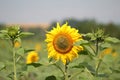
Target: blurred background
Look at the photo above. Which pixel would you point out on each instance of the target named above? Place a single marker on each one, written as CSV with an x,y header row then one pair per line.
x,y
39,16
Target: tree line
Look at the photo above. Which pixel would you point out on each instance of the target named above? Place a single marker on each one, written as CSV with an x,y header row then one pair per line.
x,y
84,26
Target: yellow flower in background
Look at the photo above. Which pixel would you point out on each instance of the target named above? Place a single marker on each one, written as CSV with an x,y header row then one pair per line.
x,y
37,47
17,44
108,51
60,43
114,54
32,57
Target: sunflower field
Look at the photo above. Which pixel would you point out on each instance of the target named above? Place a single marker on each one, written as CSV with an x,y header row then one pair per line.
x,y
64,54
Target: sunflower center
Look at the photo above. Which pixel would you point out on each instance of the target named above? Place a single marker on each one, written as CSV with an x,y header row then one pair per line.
x,y
33,58
63,43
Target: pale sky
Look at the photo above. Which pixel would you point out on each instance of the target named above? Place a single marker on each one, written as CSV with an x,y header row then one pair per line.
x,y
46,11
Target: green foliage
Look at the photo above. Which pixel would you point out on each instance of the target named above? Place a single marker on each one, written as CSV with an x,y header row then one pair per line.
x,y
89,66
13,31
81,42
112,40
51,78
86,65
20,51
13,34
101,42
24,34
108,59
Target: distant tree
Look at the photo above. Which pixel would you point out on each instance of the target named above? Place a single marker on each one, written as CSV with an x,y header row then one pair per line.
x,y
84,26
112,30
2,26
39,34
53,24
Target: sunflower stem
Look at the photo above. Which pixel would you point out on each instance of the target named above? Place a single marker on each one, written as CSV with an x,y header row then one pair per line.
x,y
14,61
66,74
99,63
97,67
97,42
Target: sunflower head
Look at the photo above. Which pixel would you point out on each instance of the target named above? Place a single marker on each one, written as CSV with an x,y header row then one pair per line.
x,y
13,31
32,57
60,43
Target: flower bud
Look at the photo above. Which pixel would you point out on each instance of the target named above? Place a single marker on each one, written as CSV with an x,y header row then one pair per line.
x,y
12,32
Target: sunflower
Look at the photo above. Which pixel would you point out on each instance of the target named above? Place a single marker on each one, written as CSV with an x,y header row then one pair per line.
x,y
32,57
60,43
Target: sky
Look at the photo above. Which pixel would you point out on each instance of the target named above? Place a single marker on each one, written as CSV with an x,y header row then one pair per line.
x,y
46,11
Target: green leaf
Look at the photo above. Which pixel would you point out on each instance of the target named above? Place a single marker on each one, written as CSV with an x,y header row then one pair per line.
x,y
105,45
2,66
115,70
50,60
84,52
52,77
102,75
35,64
81,42
108,58
89,49
112,40
28,50
20,51
10,75
18,39
4,36
17,27
85,65
24,67
23,34
20,74
4,31
1,35
89,35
